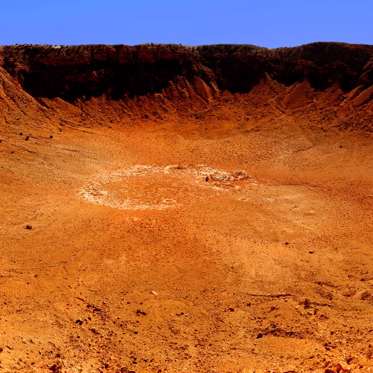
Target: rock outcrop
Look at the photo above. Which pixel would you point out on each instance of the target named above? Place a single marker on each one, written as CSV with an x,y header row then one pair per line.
x,y
30,74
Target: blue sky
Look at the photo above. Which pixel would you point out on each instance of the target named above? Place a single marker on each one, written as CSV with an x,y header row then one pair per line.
x,y
270,23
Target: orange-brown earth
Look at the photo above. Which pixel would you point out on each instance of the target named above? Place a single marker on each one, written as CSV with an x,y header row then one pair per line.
x,y
171,209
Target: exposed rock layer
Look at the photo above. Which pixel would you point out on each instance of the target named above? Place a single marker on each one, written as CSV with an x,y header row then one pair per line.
x,y
119,71
152,79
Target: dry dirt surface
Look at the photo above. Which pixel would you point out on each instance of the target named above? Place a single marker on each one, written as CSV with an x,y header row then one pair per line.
x,y
191,230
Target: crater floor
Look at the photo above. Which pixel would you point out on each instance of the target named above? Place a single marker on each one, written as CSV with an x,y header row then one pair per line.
x,y
186,246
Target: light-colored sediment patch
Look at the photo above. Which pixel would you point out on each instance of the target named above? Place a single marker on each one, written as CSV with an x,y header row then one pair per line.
x,y
100,191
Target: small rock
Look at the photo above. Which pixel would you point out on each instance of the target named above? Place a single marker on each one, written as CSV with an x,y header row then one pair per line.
x,y
140,313
340,369
28,227
126,370
55,368
307,304
349,359
365,295
240,175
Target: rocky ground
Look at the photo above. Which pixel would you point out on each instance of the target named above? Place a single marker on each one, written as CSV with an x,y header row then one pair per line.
x,y
235,236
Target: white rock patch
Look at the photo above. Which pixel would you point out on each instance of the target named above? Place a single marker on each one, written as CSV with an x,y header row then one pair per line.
x,y
201,176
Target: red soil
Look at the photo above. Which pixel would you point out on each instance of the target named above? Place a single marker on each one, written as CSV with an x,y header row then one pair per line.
x,y
177,222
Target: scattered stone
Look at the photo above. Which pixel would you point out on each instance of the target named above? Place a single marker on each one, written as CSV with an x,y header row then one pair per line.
x,y
329,346
79,322
240,175
307,304
55,368
126,370
174,167
140,313
219,177
94,331
349,359
338,369
260,335
365,295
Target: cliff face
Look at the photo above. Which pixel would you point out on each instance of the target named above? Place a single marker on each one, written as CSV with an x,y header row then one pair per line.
x,y
239,68
111,82
82,72
91,71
